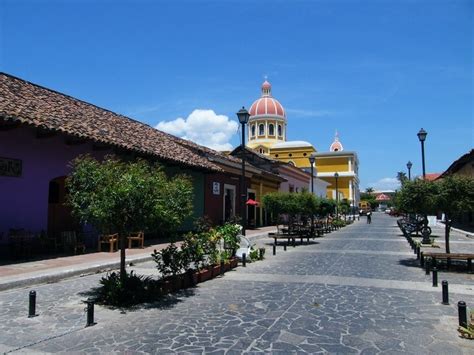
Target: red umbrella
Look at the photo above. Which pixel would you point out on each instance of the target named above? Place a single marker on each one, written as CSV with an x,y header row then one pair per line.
x,y
251,202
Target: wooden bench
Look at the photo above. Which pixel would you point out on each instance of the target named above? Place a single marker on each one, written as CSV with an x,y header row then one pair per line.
x,y
111,239
288,237
136,236
448,257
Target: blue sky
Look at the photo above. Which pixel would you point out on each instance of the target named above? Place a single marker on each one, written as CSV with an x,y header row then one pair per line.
x,y
377,71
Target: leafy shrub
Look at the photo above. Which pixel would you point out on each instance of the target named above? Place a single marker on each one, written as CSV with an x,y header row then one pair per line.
x,y
254,255
193,250
229,233
170,260
127,291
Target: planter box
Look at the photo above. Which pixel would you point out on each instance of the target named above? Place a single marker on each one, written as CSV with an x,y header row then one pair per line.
x,y
205,275
171,284
190,279
225,266
216,270
234,262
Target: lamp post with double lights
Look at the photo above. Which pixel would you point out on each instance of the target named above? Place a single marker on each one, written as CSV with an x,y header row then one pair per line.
x,y
336,176
409,165
243,116
311,161
422,137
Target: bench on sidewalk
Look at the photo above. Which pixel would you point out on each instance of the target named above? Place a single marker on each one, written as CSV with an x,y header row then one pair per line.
x,y
288,237
111,239
448,257
137,237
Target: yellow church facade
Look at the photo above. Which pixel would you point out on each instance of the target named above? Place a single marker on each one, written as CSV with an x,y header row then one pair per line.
x,y
267,130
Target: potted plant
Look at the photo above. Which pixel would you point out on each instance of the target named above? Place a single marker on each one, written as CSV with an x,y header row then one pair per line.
x,y
225,260
169,261
229,233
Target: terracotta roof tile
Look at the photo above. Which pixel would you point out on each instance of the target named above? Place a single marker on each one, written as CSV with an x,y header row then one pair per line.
x,y
44,108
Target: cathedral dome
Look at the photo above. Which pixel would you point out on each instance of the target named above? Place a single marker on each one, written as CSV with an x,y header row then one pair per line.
x,y
267,105
336,146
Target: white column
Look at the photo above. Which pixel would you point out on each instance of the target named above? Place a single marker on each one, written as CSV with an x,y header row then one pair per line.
x,y
351,193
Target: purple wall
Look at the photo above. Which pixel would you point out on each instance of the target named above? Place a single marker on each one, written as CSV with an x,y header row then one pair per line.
x,y
24,200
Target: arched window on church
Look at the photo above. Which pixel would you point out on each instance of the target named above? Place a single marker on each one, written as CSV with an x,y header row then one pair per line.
x,y
271,130
261,129
279,130
253,130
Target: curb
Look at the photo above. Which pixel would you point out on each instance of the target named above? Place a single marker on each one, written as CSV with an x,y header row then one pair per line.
x,y
29,280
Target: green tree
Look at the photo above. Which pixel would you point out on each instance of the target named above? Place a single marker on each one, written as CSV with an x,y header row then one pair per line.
x,y
417,196
118,196
455,196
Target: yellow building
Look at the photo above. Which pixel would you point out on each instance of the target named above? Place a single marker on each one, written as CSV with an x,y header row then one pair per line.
x,y
344,165
267,131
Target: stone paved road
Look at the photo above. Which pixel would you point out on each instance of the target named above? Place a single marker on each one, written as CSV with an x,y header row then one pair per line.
x,y
356,290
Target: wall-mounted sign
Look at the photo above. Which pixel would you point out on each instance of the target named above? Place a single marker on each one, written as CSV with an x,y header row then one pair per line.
x,y
216,188
10,167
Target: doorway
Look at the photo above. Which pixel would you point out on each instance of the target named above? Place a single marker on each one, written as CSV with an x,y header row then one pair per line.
x,y
60,217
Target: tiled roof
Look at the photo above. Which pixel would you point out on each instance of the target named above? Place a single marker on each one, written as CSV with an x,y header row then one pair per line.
x,y
459,163
47,109
432,176
205,151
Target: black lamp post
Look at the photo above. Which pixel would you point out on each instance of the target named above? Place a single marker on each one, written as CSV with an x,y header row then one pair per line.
x,y
311,161
422,136
336,175
353,201
243,116
409,165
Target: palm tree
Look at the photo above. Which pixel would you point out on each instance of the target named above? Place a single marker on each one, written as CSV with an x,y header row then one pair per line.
x,y
402,177
369,190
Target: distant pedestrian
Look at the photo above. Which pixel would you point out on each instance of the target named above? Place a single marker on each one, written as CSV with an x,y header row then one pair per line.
x,y
369,217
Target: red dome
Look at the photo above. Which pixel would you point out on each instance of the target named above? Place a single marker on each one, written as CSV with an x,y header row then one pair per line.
x,y
267,105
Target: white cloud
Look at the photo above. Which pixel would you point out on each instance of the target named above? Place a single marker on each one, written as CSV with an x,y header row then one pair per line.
x,y
387,183
203,127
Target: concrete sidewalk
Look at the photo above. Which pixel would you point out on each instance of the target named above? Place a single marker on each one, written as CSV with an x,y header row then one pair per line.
x,y
55,269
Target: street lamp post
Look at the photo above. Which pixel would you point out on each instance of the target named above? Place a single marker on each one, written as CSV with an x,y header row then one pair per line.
x,y
409,165
353,201
311,161
336,176
422,137
243,116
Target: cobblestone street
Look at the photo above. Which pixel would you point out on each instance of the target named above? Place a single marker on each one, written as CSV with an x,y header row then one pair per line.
x,y
356,290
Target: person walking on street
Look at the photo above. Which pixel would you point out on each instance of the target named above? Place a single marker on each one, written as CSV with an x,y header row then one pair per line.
x,y
369,217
